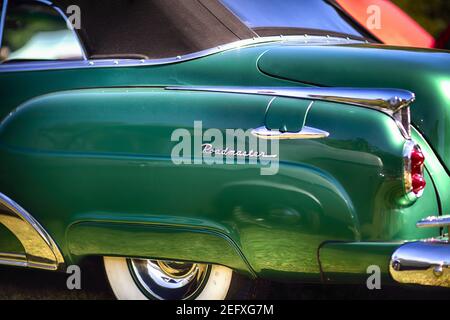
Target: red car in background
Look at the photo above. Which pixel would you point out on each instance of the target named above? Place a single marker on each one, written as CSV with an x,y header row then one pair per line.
x,y
395,27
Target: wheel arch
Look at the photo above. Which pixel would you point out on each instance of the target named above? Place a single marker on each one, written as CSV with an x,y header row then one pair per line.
x,y
155,241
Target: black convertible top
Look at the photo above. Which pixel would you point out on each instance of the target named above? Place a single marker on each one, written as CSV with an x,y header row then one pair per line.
x,y
154,28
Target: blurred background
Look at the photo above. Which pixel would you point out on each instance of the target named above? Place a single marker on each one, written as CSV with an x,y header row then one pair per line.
x,y
418,23
432,15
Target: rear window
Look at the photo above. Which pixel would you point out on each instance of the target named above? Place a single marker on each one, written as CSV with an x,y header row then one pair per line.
x,y
294,16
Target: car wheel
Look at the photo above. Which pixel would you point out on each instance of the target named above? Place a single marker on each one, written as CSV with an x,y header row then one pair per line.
x,y
140,279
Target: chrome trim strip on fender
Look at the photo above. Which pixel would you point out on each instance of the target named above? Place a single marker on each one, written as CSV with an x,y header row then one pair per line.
x,y
40,250
425,263
388,101
434,222
13,259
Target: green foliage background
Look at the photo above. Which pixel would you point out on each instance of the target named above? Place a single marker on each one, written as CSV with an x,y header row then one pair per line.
x,y
433,15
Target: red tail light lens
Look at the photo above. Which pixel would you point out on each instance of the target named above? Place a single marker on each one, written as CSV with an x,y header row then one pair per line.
x,y
413,176
418,183
417,158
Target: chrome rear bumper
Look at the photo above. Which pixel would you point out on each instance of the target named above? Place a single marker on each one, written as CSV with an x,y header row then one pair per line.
x,y
424,262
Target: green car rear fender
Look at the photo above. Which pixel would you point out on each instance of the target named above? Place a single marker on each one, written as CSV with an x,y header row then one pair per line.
x,y
94,168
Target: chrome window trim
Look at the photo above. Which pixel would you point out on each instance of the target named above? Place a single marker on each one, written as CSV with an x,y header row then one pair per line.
x,y
108,63
60,12
69,25
49,3
2,20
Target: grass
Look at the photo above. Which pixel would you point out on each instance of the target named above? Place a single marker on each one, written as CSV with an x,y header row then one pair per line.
x,y
30,284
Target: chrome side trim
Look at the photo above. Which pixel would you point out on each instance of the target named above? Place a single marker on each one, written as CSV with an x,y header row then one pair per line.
x,y
425,263
12,259
388,101
40,250
3,20
305,133
434,222
69,25
108,63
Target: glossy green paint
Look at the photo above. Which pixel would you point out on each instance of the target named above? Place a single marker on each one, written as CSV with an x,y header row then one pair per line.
x,y
354,262
424,72
287,115
192,244
88,154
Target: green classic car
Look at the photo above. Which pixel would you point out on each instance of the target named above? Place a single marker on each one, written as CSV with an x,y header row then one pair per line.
x,y
114,117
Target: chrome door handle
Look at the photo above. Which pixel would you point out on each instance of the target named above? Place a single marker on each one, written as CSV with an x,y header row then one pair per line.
x,y
305,133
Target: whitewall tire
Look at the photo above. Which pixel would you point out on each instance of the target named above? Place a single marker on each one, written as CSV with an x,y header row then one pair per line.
x,y
139,279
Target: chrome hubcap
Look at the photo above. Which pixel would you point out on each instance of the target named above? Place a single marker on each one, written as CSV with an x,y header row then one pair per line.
x,y
169,280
